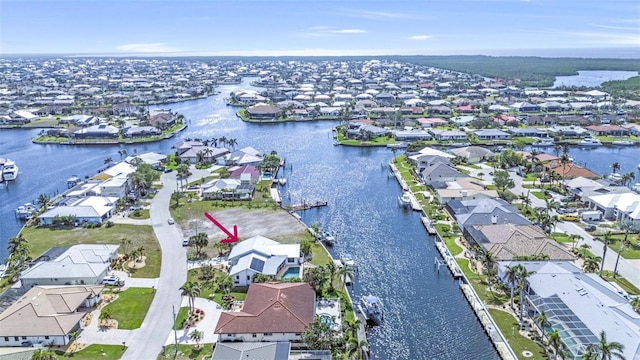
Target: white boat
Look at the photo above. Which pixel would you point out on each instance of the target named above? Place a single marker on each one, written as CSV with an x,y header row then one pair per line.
x,y
622,143
405,200
589,142
25,212
615,178
328,238
543,143
347,260
9,170
636,187
371,308
282,181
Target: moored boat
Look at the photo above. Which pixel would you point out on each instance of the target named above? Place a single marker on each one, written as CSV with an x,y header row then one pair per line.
x,y
622,143
347,260
405,200
370,307
9,170
543,143
26,211
328,239
589,142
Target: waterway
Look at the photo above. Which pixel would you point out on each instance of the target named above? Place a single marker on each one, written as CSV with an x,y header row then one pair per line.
x,y
592,78
426,314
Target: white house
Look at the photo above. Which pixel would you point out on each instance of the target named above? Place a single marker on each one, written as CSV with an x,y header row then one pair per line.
x,y
90,209
47,315
82,264
260,255
619,207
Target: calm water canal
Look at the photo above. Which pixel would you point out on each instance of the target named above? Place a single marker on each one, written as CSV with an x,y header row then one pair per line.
x,y
426,314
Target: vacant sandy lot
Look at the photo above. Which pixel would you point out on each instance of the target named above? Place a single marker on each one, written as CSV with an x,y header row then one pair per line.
x,y
277,225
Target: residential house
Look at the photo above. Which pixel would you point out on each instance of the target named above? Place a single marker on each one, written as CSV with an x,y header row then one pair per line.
x,y
361,130
473,154
492,134
525,107
411,135
271,312
97,131
245,173
141,131
484,212
607,130
570,170
464,189
90,209
431,122
195,152
587,187
510,241
618,206
438,174
528,132
264,111
429,156
244,156
83,264
440,110
448,135
47,315
151,158
228,189
162,119
260,255
578,305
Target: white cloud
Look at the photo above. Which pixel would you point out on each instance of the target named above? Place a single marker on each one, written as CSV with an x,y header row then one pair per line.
x,y
380,15
420,37
321,31
147,48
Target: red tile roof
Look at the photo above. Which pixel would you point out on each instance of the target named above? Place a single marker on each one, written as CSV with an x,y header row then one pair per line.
x,y
271,308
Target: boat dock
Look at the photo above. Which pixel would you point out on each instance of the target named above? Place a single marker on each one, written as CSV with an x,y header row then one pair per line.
x,y
275,195
431,229
307,206
398,176
448,259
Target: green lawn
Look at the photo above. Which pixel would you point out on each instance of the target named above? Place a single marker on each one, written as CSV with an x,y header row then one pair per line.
x,y
208,288
624,283
538,194
42,122
506,322
96,352
182,315
631,251
131,307
319,256
41,239
561,237
140,214
187,352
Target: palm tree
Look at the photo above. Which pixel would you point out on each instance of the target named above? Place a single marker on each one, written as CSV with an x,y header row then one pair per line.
x,y
541,320
607,239
555,341
575,238
224,282
551,204
615,167
199,240
521,277
564,160
582,250
192,290
43,201
16,244
42,354
344,273
357,349
196,336
591,264
635,304
608,350
176,196
511,277
331,270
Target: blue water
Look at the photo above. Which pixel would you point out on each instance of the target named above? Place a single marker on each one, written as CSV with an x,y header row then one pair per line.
x,y
426,315
592,78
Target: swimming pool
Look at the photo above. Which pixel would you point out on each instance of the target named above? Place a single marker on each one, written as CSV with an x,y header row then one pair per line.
x,y
328,320
292,273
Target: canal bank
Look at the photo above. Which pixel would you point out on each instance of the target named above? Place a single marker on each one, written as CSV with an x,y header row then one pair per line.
x,y
448,260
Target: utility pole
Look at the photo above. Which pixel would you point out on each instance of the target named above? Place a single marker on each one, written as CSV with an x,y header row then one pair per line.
x,y
175,332
615,268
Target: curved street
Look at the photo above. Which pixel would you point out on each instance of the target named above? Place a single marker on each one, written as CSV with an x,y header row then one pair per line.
x,y
147,341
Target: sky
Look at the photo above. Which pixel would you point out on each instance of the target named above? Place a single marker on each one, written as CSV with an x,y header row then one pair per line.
x,y
319,27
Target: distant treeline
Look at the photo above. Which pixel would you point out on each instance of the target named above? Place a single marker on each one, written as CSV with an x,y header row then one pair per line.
x,y
629,89
532,71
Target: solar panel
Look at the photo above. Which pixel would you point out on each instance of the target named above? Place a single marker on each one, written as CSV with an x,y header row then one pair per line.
x,y
257,264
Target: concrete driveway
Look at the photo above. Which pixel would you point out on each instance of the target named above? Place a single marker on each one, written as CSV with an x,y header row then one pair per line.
x,y
212,311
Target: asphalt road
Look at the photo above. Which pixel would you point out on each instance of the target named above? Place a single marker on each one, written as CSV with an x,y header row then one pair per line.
x,y
147,342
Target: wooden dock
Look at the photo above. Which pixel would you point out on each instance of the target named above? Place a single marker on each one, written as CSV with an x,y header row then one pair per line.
x,y
428,225
307,206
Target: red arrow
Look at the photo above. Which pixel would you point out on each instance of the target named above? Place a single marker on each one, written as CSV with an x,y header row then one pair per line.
x,y
231,237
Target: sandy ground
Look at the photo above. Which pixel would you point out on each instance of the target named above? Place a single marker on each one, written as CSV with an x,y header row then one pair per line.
x,y
277,225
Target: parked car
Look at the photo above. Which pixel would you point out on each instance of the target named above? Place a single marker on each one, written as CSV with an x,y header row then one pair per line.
x,y
167,170
590,227
569,217
113,280
171,221
185,242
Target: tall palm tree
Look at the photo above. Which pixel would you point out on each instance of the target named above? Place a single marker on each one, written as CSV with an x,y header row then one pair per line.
x,y
521,277
344,273
511,277
43,201
607,239
615,167
224,282
608,350
357,350
192,290
551,204
331,270
555,341
42,354
16,243
564,160
575,238
541,320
